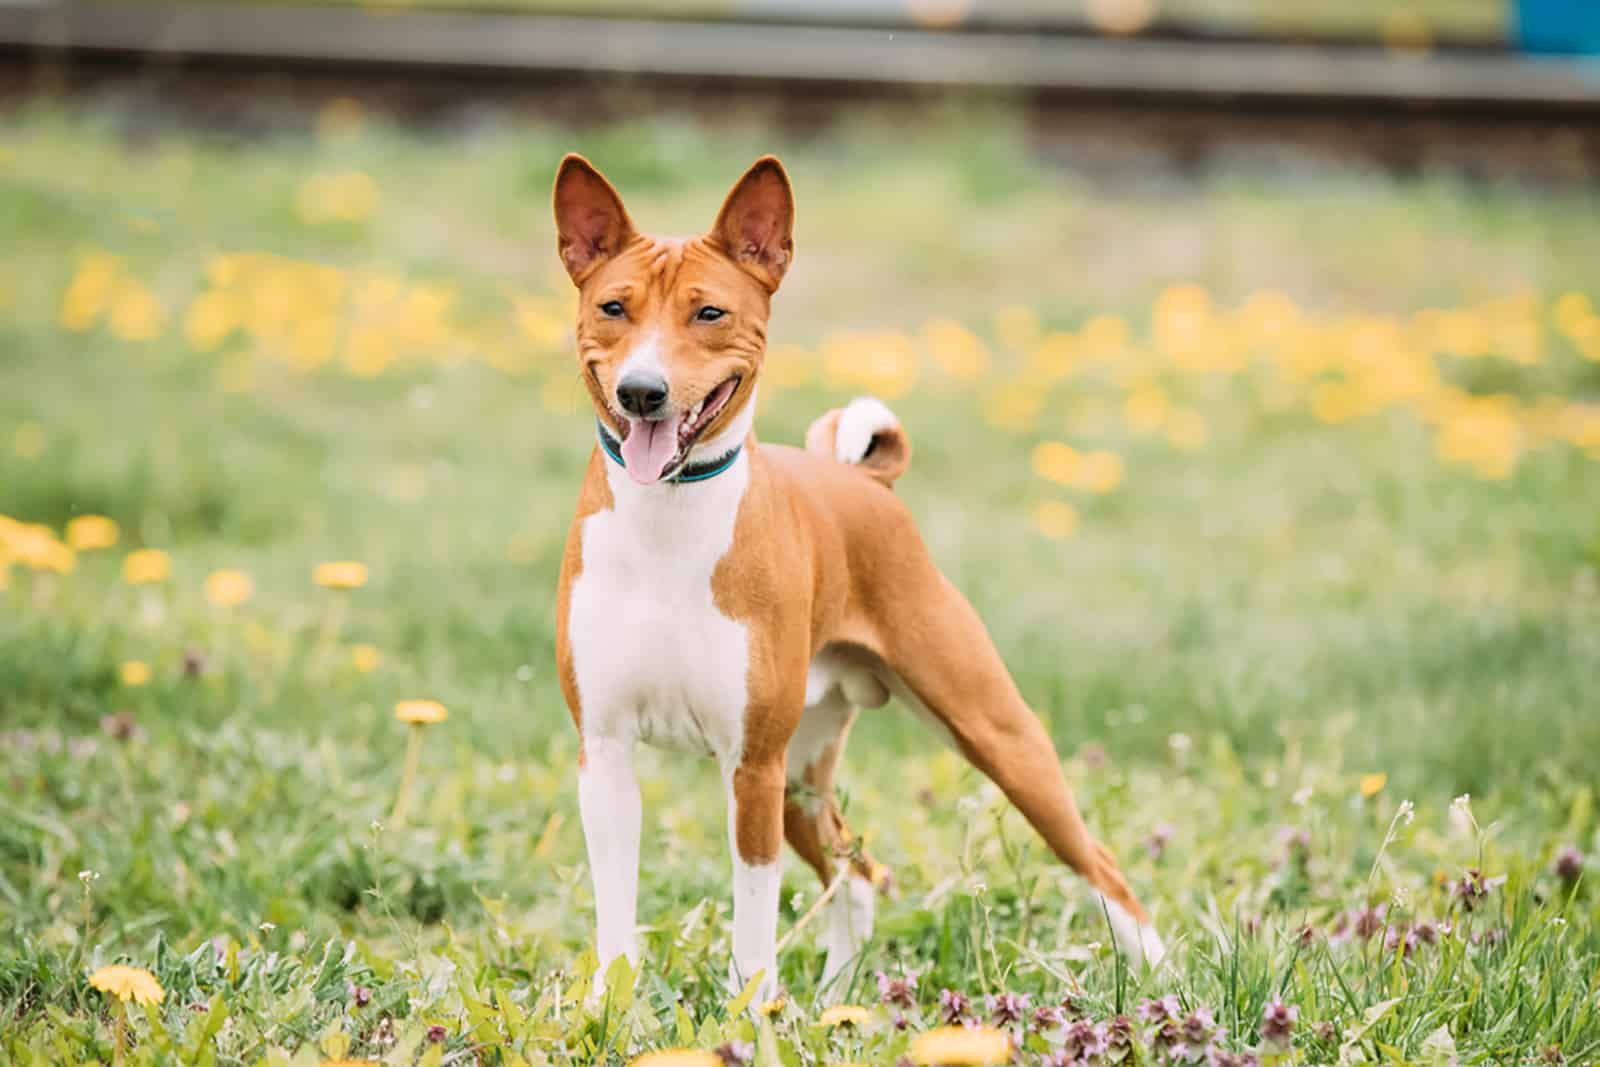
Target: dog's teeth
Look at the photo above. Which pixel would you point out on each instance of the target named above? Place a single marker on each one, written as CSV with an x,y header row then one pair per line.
x,y
694,412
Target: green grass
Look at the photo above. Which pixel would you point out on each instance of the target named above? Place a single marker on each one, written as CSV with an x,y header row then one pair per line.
x,y
1228,641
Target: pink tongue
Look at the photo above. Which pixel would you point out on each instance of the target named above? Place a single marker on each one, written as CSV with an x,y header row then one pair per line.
x,y
649,447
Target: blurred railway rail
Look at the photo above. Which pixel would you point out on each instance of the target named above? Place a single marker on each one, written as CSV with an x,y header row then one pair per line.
x,y
1484,108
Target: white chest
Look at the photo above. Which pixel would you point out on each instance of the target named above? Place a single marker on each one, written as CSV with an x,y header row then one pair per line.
x,y
653,656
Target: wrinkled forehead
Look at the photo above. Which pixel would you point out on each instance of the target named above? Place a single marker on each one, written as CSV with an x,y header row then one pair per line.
x,y
654,272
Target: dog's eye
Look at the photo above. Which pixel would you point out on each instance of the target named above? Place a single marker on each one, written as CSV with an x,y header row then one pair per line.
x,y
611,309
709,314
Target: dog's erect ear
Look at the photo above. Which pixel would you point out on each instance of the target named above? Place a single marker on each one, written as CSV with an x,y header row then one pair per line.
x,y
756,223
591,223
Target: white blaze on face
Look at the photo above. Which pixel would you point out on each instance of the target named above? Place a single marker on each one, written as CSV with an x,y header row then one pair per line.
x,y
650,444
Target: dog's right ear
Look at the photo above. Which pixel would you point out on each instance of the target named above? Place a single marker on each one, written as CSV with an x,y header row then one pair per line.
x,y
591,223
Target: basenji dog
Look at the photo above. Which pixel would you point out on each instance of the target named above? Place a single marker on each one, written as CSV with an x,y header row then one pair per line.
x,y
744,600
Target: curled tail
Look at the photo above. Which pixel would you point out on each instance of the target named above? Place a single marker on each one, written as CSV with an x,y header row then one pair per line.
x,y
864,433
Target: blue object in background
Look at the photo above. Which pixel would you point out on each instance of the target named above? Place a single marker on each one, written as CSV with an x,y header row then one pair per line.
x,y
1569,26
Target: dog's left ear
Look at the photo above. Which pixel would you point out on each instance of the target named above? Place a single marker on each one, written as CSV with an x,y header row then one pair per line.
x,y
756,223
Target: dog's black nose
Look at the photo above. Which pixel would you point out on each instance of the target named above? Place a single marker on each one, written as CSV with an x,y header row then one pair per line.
x,y
642,394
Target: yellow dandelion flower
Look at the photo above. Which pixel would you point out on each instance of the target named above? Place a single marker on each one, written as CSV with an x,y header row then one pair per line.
x,y
1012,407
1372,784
351,197
845,1015
1055,519
89,291
228,588
136,313
87,532
773,1007
420,712
128,983
958,351
1100,471
682,1057
1572,313
134,673
1182,318
1054,355
35,546
341,574
1056,461
1104,337
212,317
144,566
951,1045
1335,402
366,658
1146,409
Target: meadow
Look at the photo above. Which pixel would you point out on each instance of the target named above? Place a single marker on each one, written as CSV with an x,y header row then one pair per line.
x,y
1279,491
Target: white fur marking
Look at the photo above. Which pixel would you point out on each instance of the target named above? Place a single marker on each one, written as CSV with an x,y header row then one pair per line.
x,y
653,656
863,418
645,356
1137,941
755,915
820,726
608,797
850,915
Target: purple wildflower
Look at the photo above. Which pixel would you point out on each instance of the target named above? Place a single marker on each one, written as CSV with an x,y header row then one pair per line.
x,y
1401,939
1200,1028
1084,1041
1473,887
1217,1057
1009,1008
953,1006
360,994
1569,864
900,991
1277,1022
1159,838
1326,1032
1489,938
1120,1039
736,1053
1046,1018
1369,921
437,1034
1156,1011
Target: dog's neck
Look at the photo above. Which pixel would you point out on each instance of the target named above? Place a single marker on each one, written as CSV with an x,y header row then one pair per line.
x,y
667,509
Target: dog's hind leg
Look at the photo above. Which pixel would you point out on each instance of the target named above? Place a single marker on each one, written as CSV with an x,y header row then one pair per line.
x,y
947,666
816,830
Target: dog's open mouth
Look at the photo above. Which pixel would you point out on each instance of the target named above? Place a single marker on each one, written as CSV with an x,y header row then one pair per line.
x,y
653,449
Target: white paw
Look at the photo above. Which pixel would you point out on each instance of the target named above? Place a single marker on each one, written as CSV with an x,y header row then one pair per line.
x,y
1138,942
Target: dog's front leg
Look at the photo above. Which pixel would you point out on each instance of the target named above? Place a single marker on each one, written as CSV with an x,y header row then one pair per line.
x,y
755,834
608,797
